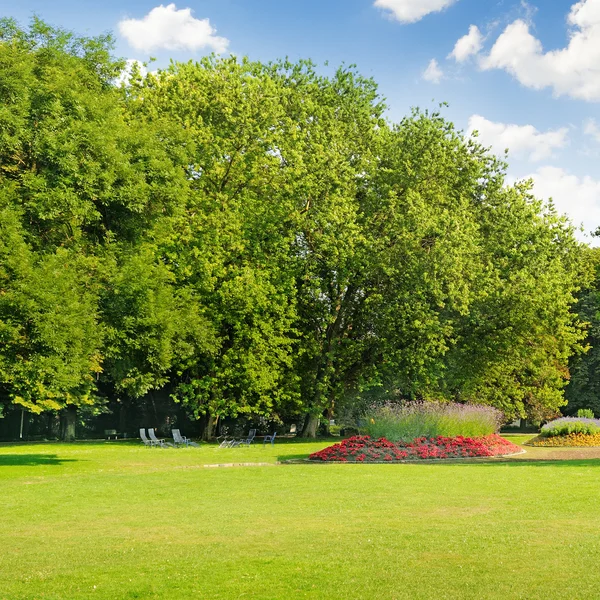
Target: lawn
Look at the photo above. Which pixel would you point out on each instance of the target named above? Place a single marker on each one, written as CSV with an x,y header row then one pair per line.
x,y
116,520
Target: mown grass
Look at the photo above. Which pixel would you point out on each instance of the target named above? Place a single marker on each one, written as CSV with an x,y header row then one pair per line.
x,y
119,521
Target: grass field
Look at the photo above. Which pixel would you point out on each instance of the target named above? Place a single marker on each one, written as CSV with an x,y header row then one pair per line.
x,y
116,520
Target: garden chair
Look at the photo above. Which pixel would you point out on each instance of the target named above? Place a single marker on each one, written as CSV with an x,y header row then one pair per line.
x,y
269,438
147,443
224,442
157,442
247,441
180,440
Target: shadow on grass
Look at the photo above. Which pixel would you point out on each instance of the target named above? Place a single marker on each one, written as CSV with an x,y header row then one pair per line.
x,y
32,460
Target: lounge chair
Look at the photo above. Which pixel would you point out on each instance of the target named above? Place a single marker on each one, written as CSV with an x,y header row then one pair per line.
x,y
269,438
148,443
224,442
181,440
157,442
247,441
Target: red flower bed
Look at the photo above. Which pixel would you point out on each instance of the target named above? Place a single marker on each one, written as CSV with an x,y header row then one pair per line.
x,y
367,449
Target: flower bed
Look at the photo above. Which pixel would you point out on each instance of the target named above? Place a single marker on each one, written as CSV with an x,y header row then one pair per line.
x,y
579,440
367,449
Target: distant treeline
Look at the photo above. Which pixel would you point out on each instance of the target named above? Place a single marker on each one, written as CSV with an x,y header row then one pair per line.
x,y
259,240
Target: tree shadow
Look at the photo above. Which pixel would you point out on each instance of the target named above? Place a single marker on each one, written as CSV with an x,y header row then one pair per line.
x,y
32,460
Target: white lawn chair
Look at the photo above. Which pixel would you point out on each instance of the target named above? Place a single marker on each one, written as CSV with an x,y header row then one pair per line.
x,y
147,443
156,441
224,442
247,441
181,440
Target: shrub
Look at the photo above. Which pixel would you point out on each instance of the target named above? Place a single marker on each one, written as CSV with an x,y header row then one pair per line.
x,y
570,425
585,413
364,449
412,420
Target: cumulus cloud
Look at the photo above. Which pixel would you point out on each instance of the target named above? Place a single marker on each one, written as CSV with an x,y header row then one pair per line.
x,y
522,141
411,11
467,45
165,27
433,73
573,70
577,197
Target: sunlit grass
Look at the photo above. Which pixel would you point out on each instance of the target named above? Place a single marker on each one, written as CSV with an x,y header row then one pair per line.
x,y
120,521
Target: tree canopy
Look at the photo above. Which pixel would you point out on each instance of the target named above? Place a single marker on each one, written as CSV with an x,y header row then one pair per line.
x,y
259,239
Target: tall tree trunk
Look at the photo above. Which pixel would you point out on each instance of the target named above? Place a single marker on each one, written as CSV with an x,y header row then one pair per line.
x,y
311,423
209,428
122,419
68,421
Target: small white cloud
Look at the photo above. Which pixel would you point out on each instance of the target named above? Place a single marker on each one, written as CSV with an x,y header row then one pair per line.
x,y
411,11
522,141
591,128
165,27
468,45
433,73
577,197
125,76
573,70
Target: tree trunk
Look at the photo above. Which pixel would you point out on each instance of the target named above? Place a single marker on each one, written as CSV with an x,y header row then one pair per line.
x,y
68,420
122,419
209,429
311,423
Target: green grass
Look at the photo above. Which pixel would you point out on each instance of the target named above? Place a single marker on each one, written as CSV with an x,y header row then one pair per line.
x,y
114,520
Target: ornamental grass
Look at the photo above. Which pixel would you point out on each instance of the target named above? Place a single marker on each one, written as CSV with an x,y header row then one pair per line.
x,y
566,426
365,449
405,422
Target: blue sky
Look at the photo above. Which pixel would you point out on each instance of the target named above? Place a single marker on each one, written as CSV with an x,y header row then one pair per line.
x,y
525,74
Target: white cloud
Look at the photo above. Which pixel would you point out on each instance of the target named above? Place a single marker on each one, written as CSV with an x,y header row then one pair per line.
x,y
433,73
468,45
125,76
411,11
165,27
591,128
577,197
523,141
573,70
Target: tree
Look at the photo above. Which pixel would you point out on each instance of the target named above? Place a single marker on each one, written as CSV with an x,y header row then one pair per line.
x,y
583,389
49,336
230,246
79,184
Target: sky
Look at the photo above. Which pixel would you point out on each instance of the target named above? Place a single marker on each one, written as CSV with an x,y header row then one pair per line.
x,y
525,75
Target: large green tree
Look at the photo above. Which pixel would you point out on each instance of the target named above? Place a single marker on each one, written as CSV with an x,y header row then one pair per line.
x,y
80,185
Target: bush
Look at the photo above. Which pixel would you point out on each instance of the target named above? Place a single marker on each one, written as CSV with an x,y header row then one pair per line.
x,y
571,425
364,449
405,422
585,413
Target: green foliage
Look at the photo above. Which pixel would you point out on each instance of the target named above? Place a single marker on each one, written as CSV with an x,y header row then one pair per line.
x,y
585,413
569,425
406,422
49,338
259,240
583,390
